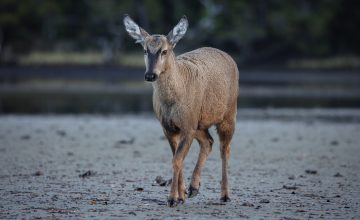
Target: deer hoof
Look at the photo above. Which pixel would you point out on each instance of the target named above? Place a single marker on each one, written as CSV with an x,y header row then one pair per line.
x,y
225,199
172,202
181,201
193,192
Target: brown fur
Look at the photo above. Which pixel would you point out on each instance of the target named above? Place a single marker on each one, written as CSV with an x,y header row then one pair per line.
x,y
197,90
192,92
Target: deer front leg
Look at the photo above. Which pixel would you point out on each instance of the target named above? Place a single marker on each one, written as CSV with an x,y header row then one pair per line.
x,y
181,187
177,162
174,139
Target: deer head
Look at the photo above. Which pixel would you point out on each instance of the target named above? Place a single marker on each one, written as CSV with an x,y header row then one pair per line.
x,y
158,49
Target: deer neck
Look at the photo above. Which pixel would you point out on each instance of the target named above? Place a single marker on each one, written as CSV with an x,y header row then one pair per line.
x,y
170,86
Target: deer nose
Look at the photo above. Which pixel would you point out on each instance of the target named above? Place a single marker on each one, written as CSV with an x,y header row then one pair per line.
x,y
150,77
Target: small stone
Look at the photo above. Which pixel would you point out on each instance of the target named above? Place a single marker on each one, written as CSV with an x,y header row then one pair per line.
x,y
25,137
291,177
248,204
38,173
338,175
61,133
87,174
264,201
275,139
129,141
290,187
124,142
162,182
334,143
132,213
139,189
313,172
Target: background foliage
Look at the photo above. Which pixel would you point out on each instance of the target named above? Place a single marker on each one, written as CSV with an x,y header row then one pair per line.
x,y
255,30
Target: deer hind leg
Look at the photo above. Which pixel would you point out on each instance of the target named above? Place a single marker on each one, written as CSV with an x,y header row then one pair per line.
x,y
205,141
177,192
225,130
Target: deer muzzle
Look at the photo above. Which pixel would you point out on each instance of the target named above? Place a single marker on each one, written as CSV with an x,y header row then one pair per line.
x,y
150,77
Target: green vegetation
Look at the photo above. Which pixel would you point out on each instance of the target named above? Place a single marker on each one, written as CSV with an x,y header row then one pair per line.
x,y
79,58
260,31
58,58
132,60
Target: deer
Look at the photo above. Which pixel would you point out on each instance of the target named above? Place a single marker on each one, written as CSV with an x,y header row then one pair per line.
x,y
191,93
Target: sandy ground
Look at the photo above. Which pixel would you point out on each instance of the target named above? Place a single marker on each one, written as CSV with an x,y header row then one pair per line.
x,y
296,168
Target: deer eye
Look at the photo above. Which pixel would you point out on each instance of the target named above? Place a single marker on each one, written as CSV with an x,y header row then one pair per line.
x,y
164,52
145,52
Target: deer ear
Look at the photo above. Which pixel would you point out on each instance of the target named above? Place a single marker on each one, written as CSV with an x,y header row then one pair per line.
x,y
134,30
178,31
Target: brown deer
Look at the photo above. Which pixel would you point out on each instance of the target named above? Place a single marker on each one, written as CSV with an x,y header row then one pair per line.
x,y
192,92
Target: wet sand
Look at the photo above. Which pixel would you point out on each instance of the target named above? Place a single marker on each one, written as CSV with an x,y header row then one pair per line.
x,y
104,167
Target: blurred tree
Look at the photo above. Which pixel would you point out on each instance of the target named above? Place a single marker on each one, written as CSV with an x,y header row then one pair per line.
x,y
343,30
19,26
253,30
